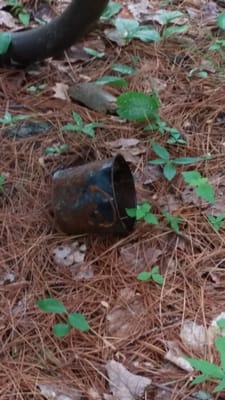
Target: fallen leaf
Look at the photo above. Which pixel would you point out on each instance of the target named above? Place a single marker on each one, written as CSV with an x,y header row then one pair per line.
x,y
127,311
139,10
93,96
60,91
149,174
123,384
7,20
130,149
195,336
175,356
139,256
170,202
56,392
115,36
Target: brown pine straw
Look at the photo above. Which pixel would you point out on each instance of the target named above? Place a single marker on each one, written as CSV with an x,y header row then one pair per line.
x,y
192,263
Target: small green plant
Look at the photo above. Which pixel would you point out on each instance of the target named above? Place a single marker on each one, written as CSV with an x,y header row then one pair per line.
x,y
129,29
37,88
210,371
87,129
2,181
74,320
19,10
142,211
5,40
168,164
9,119
202,186
94,53
172,220
153,274
162,127
110,11
112,80
137,106
217,221
57,150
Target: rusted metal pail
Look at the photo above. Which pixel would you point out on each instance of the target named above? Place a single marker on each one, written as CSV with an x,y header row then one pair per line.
x,y
92,198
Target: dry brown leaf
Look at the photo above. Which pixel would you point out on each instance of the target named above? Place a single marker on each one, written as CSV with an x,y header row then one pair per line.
x,y
7,20
139,10
123,384
128,313
130,149
56,392
175,356
60,91
138,257
195,336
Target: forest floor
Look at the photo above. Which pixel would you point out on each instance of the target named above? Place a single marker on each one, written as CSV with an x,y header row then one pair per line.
x,y
141,325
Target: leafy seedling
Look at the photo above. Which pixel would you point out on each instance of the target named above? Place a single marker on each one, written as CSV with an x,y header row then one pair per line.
x,y
2,181
5,41
112,80
74,320
162,127
9,119
131,29
19,11
110,11
167,163
209,370
217,221
123,69
142,211
153,274
57,150
94,53
37,88
174,30
202,186
87,129
137,106
173,221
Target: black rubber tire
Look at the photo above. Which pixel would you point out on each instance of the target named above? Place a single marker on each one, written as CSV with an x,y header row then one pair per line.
x,y
49,40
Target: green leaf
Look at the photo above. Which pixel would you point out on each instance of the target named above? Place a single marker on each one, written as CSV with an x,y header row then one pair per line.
x,y
142,209
77,118
71,128
123,69
112,80
61,330
144,276
200,379
94,53
78,321
169,171
5,41
131,212
192,177
157,278
219,387
137,106
147,34
172,30
167,16
206,191
126,27
188,160
160,151
151,219
112,9
173,221
206,368
51,305
220,346
221,323
24,17
159,161
202,74
221,20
